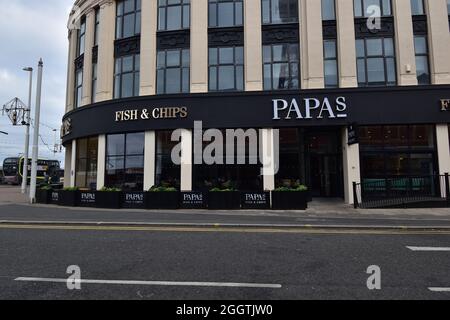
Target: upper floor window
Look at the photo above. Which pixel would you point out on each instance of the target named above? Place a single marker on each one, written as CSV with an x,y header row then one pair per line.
x,y
281,66
128,21
368,8
94,81
422,67
226,13
328,10
78,88
279,11
97,26
376,62
81,37
417,7
126,76
448,7
330,63
173,14
173,71
226,69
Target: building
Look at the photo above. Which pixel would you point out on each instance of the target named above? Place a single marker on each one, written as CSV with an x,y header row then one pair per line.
x,y
355,98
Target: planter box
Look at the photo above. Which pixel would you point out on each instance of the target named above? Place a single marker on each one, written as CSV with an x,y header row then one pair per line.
x,y
255,200
68,198
193,200
289,200
43,196
87,199
224,200
108,200
54,197
133,200
162,200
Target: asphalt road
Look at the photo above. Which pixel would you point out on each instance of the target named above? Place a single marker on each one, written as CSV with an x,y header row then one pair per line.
x,y
301,265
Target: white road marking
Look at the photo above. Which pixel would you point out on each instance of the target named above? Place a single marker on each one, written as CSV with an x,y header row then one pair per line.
x,y
439,289
429,248
157,283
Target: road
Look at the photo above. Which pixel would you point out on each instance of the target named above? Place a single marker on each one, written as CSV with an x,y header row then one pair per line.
x,y
279,264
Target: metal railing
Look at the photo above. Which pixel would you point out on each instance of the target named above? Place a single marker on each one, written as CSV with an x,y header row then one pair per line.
x,y
402,191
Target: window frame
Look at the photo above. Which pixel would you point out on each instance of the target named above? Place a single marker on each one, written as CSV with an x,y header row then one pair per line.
x,y
135,72
182,66
335,58
334,10
81,37
422,5
88,159
78,94
271,20
94,81
364,12
182,4
216,3
97,26
426,55
218,65
289,61
120,18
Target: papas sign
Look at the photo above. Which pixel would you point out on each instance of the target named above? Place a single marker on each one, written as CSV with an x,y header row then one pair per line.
x,y
147,114
309,108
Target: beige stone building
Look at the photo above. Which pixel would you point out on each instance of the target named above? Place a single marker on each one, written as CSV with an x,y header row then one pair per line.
x,y
358,90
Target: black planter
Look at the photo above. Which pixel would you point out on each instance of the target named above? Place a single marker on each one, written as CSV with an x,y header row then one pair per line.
x,y
224,200
54,197
255,200
289,200
43,196
193,200
162,200
68,198
87,199
133,200
108,200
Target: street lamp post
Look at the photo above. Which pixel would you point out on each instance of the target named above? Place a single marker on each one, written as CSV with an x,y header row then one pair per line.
x,y
3,132
27,134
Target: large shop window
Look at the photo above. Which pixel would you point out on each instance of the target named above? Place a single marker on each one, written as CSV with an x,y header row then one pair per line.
x,y
125,161
376,62
281,66
173,71
279,11
422,67
330,63
78,88
328,10
363,8
128,20
86,163
81,37
239,171
126,76
225,13
393,151
167,172
226,69
173,14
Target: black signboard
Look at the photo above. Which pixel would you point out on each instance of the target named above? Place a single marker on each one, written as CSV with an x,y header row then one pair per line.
x,y
255,200
193,200
87,199
352,134
133,200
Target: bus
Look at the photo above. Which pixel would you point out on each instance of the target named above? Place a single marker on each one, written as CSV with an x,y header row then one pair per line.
x,y
13,170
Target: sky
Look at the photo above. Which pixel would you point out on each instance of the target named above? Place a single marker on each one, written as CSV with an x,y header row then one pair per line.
x,y
30,30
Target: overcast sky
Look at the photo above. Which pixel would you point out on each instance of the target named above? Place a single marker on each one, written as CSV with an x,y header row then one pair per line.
x,y
30,30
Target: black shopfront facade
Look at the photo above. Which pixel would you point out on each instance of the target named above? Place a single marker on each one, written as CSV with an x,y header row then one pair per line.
x,y
394,127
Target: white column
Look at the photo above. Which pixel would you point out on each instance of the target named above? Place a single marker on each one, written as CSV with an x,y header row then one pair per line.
x,y
443,147
186,160
148,47
404,43
439,41
105,66
87,66
149,160
73,163
253,45
199,46
101,161
67,165
346,44
351,166
270,157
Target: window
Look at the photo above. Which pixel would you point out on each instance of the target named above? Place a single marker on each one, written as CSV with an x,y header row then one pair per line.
x,y
97,26
422,67
126,77
167,173
94,81
226,69
78,88
330,63
128,21
448,7
225,13
363,7
81,37
279,11
376,62
281,66
328,10
125,161
173,71
86,163
173,14
417,7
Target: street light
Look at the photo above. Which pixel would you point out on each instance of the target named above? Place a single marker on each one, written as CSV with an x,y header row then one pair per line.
x,y
4,132
27,133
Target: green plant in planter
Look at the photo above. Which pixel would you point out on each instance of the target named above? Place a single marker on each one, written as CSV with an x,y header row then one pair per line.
x,y
222,190
71,189
162,189
298,188
46,188
106,189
